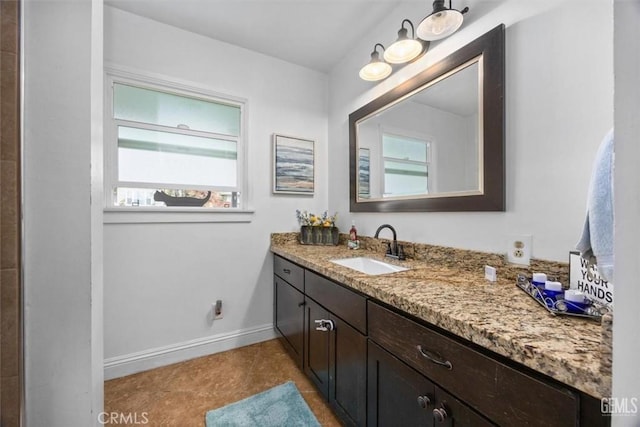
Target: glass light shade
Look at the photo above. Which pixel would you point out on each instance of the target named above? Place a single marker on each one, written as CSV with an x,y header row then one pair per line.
x,y
375,69
403,51
439,25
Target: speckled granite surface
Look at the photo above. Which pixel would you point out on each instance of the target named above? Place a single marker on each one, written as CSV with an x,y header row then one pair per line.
x,y
456,297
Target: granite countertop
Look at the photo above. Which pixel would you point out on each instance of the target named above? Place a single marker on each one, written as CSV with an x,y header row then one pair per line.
x,y
497,316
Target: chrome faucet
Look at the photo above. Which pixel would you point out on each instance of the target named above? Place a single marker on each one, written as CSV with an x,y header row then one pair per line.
x,y
393,249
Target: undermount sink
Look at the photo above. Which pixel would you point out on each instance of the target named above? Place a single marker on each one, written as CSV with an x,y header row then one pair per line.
x,y
369,266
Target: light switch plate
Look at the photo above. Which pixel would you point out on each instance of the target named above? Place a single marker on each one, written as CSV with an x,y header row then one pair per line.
x,y
519,249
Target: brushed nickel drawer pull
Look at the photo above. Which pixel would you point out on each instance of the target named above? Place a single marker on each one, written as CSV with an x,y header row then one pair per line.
x,y
434,357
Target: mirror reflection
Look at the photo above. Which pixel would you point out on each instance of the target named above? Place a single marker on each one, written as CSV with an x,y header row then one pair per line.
x,y
426,144
436,142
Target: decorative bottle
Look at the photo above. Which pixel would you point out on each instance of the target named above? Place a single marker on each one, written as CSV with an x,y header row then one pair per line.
x,y
353,242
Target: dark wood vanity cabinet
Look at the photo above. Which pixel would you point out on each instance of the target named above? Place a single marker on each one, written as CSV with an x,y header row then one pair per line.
x,y
399,395
289,307
323,327
378,366
396,394
316,343
335,351
500,393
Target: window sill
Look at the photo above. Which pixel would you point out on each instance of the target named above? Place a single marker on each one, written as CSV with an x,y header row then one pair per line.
x,y
132,215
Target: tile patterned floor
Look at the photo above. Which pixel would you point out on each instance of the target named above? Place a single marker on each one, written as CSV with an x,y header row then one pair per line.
x,y
181,394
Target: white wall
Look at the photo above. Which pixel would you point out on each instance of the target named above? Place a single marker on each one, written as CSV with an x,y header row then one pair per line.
x,y
160,279
626,341
559,105
62,265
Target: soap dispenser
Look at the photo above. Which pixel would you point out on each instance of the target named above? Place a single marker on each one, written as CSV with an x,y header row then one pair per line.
x,y
353,242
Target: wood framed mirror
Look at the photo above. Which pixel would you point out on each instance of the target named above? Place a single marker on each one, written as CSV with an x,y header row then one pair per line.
x,y
435,142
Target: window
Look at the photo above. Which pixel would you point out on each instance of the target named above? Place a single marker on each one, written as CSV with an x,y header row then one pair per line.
x,y
406,165
172,145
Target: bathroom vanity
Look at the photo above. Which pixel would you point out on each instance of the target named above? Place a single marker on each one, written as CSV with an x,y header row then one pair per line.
x,y
433,345
324,327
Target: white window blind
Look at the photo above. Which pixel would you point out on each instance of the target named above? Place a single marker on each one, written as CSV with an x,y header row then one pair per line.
x,y
168,146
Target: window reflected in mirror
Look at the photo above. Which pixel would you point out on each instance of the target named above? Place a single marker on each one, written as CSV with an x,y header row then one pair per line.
x,y
405,162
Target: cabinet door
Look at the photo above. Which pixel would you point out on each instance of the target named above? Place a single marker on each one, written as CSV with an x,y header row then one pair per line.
x,y
316,349
289,318
348,381
450,412
397,395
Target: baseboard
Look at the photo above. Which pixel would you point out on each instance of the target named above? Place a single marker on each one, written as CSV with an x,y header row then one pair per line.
x,y
128,364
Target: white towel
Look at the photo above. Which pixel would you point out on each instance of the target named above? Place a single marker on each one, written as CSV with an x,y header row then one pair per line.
x,y
597,235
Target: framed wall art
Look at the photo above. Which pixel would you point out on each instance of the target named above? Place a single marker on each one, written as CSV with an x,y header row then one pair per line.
x,y
293,165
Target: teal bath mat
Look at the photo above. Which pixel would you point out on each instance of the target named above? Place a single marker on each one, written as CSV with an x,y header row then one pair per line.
x,y
279,406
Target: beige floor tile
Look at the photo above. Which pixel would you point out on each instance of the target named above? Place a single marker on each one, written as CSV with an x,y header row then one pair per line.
x,y
181,394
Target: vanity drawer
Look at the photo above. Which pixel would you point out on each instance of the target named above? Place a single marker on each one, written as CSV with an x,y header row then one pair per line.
x,y
503,394
344,303
290,272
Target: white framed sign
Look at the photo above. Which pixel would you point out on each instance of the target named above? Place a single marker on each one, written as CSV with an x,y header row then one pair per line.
x,y
584,276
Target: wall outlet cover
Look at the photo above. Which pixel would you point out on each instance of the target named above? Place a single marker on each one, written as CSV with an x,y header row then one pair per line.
x,y
519,249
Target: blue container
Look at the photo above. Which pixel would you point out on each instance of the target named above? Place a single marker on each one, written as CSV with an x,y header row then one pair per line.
x,y
576,307
550,297
576,301
552,292
538,280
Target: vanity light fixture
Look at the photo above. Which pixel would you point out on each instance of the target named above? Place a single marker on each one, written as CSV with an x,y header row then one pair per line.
x,y
376,69
404,49
441,23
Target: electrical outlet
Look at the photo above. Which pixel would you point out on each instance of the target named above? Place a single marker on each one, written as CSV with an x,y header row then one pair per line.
x,y
519,249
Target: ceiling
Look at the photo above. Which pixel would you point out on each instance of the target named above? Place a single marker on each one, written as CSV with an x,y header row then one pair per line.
x,y
313,33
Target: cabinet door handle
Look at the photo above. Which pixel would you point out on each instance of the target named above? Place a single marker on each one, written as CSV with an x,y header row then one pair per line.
x,y
324,325
330,325
434,357
286,270
320,325
300,304
439,414
424,401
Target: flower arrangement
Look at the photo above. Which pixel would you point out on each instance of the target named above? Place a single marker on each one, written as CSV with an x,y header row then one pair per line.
x,y
317,229
324,220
